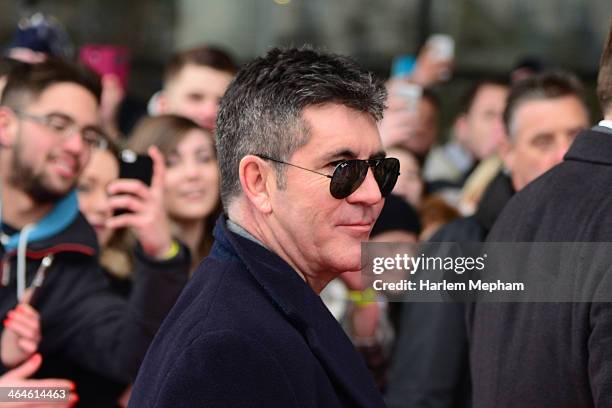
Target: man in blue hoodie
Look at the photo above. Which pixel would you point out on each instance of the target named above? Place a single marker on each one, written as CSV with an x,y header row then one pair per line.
x,y
48,128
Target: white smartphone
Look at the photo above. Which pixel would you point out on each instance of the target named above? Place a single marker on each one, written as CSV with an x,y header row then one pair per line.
x,y
410,93
442,46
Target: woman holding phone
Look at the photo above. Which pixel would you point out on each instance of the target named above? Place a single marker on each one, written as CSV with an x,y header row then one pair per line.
x,y
141,225
191,184
134,235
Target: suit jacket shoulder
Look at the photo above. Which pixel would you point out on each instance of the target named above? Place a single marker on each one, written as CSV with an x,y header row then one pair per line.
x,y
248,328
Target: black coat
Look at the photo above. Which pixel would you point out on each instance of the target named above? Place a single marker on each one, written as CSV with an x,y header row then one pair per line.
x,y
90,335
551,354
247,331
430,362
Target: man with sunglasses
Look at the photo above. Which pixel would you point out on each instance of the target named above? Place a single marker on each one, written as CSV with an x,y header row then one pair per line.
x,y
303,179
48,252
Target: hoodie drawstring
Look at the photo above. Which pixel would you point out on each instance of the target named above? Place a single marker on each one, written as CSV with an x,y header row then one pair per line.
x,y
58,219
21,259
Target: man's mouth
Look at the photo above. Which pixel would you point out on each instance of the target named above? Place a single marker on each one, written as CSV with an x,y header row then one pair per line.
x,y
359,226
66,167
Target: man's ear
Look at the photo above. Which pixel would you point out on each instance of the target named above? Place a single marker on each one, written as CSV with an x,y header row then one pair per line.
x,y
161,102
460,127
256,179
8,127
506,152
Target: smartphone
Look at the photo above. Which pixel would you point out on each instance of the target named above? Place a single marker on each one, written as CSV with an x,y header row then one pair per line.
x,y
107,59
134,166
442,46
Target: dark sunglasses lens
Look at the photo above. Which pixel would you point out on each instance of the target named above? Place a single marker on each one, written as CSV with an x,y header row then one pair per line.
x,y
347,177
386,173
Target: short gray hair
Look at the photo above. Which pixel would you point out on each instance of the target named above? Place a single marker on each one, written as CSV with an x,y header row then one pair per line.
x,y
547,85
261,111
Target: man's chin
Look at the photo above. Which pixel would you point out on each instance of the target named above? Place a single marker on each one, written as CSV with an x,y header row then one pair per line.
x,y
349,261
46,195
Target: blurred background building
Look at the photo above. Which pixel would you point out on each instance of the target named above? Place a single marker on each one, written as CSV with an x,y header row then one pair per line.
x,y
490,35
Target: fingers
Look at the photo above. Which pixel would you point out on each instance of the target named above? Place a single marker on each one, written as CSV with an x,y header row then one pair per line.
x,y
124,221
395,104
111,88
69,401
25,309
54,383
18,377
28,346
26,369
129,186
403,118
111,80
24,325
159,168
126,202
22,330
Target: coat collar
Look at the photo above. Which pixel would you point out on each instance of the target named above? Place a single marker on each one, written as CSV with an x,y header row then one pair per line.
x,y
494,199
305,310
593,145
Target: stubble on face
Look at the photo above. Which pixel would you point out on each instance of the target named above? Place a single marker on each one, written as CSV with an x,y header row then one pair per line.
x,y
25,177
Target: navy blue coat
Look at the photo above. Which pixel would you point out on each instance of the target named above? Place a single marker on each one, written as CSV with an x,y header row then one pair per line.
x,y
247,331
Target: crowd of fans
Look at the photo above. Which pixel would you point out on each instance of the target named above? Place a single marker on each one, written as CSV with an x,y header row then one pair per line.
x,y
88,329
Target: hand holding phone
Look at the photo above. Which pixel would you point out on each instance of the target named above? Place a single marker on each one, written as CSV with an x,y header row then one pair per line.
x,y
401,116
136,167
435,61
140,191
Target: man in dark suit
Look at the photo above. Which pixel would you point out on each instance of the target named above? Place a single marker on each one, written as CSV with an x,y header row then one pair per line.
x,y
553,354
431,366
303,179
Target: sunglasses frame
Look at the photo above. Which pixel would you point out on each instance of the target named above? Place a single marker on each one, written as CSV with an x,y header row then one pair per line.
x,y
370,163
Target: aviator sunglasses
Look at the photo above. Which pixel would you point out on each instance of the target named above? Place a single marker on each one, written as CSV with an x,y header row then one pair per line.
x,y
350,174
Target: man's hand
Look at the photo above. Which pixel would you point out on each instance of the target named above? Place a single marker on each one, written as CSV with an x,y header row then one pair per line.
x,y
399,120
18,378
429,69
21,335
147,214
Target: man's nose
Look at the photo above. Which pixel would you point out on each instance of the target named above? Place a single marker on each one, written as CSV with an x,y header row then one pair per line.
x,y
368,192
74,142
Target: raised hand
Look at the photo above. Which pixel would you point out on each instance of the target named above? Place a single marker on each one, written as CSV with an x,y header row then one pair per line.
x,y
18,378
147,215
